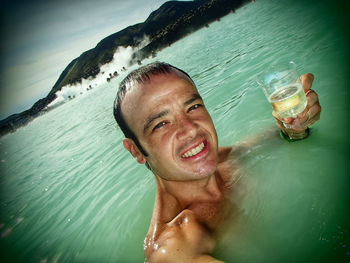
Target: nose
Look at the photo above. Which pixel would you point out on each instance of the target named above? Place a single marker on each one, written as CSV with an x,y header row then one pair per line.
x,y
187,128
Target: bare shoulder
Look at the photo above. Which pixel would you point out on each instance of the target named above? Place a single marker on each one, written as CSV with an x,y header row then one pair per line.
x,y
159,226
149,245
230,162
227,160
161,257
230,153
184,239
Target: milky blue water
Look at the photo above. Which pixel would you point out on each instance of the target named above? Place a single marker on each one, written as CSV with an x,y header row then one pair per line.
x,y
70,193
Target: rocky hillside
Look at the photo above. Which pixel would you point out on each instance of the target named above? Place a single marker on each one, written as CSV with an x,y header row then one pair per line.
x,y
171,22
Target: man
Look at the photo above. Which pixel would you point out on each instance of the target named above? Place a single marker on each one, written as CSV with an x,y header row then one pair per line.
x,y
168,128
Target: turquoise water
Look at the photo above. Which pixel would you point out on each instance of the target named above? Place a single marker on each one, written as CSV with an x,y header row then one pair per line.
x,y
70,193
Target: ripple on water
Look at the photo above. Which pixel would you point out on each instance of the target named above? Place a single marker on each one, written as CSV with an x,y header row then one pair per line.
x,y
231,103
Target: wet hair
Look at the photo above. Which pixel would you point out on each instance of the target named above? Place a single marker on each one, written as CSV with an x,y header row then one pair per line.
x,y
140,76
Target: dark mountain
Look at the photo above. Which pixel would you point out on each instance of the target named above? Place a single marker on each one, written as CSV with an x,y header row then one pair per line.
x,y
171,22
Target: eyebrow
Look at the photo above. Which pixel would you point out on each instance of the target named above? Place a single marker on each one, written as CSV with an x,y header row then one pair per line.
x,y
153,118
161,114
194,97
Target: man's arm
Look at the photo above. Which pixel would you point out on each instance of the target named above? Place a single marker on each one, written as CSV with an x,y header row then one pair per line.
x,y
158,257
206,259
184,239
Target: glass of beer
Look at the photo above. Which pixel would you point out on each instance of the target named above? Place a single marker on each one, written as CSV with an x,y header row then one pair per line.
x,y
283,89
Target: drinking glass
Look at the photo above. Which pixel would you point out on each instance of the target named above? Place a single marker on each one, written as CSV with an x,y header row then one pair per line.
x,y
283,89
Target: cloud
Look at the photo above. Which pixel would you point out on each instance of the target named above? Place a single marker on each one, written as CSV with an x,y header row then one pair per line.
x,y
40,38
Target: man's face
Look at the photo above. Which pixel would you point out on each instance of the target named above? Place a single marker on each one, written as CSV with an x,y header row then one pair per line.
x,y
168,117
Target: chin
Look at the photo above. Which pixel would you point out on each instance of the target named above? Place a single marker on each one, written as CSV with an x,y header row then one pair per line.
x,y
205,171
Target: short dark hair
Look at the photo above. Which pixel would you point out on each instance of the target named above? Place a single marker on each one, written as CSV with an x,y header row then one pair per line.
x,y
139,76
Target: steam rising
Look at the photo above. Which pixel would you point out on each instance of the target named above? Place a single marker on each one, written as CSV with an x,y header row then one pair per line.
x,y
120,62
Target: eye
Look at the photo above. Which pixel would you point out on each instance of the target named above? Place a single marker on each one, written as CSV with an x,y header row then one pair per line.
x,y
194,107
159,125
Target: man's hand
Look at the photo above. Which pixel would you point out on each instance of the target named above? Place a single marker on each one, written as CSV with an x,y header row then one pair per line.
x,y
297,126
183,239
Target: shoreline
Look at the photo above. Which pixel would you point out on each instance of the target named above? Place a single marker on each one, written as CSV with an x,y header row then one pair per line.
x,y
171,22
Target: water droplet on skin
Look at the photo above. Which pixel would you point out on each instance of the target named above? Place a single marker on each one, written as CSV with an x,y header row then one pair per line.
x,y
155,246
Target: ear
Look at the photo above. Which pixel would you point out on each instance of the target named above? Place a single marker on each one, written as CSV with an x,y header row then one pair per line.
x,y
132,148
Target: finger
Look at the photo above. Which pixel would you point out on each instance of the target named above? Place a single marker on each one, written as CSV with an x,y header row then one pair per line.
x,y
306,81
309,117
304,116
294,127
285,120
280,124
298,125
314,114
312,99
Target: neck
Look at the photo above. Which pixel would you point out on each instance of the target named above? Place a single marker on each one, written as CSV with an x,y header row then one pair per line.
x,y
186,193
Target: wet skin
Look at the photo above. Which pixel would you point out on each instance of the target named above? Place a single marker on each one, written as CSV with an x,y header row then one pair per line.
x,y
173,126
168,117
193,175
183,240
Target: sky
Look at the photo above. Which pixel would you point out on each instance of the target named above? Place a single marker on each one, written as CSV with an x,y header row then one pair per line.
x,y
40,38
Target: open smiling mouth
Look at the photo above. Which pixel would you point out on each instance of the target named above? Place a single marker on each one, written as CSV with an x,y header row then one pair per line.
x,y
195,151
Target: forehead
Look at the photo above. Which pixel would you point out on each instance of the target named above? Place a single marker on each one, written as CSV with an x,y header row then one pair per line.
x,y
159,93
158,88
162,80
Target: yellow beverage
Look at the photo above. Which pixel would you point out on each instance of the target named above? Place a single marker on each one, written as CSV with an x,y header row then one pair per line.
x,y
289,100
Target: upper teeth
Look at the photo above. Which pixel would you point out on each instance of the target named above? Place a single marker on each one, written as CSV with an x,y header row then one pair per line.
x,y
194,151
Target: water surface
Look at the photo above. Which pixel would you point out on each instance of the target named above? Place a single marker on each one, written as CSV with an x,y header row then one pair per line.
x,y
70,193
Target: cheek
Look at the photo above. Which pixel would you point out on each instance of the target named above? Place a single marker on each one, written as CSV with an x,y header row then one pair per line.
x,y
209,127
206,119
159,149
161,141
